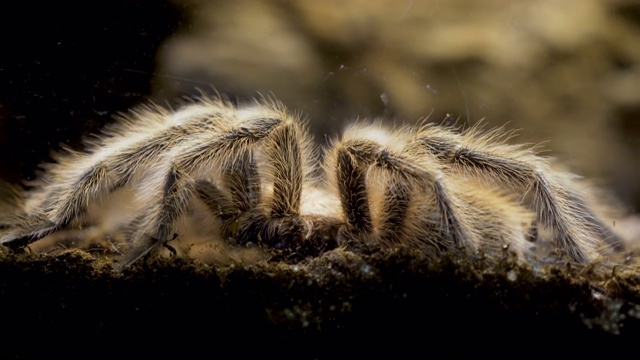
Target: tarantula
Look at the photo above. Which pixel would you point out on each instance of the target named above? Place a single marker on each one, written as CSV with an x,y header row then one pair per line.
x,y
255,168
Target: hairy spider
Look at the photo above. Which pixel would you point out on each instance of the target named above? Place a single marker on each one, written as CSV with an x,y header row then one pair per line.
x,y
255,169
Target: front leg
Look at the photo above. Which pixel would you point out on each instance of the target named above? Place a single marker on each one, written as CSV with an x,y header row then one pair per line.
x,y
402,179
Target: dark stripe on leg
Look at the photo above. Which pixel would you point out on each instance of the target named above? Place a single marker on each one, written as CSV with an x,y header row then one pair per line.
x,y
394,211
353,193
243,182
217,202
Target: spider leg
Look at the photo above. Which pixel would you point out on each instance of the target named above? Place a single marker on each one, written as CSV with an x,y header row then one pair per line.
x,y
284,154
286,157
216,201
155,226
283,144
351,181
357,157
61,205
67,202
243,182
196,159
352,185
395,207
549,195
78,179
237,210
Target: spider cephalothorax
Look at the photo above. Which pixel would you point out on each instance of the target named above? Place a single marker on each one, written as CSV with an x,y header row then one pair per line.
x,y
255,169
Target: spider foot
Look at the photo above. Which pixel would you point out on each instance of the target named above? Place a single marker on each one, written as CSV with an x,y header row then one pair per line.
x,y
144,249
19,237
173,250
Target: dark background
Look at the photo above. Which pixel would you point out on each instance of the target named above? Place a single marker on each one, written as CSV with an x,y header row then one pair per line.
x,y
66,67
566,73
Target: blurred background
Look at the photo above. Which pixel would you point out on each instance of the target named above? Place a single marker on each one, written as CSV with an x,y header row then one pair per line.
x,y
565,72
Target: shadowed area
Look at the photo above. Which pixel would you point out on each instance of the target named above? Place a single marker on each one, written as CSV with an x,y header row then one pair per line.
x,y
391,303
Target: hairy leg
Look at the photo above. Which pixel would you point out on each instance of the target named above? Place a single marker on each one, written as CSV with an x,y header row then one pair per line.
x,y
549,194
236,206
401,176
155,227
77,179
229,152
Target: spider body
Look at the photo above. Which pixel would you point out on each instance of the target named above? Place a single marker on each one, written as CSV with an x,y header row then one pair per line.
x,y
255,169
